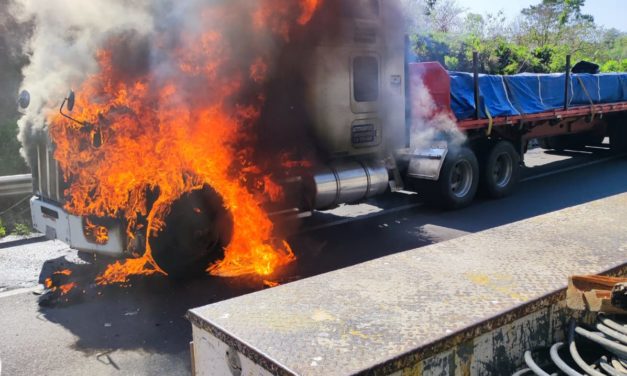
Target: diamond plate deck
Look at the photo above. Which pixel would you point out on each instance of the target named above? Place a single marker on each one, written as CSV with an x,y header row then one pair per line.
x,y
384,315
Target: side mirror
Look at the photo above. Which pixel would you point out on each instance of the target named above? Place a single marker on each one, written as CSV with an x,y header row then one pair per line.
x,y
24,99
69,105
70,100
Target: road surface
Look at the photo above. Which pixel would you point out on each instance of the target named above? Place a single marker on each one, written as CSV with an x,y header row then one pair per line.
x,y
140,329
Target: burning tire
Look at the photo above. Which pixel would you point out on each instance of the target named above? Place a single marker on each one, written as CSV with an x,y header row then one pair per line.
x,y
196,231
501,170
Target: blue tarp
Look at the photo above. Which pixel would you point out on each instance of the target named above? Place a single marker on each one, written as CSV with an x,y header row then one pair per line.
x,y
532,93
622,77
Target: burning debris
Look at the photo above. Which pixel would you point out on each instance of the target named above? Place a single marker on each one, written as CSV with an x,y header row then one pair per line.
x,y
58,282
168,99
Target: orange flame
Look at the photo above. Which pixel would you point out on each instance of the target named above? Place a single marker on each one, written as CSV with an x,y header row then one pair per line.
x,y
308,9
268,283
99,234
149,133
63,288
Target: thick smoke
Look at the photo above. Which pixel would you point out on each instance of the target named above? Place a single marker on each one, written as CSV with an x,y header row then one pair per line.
x,y
68,34
428,121
61,49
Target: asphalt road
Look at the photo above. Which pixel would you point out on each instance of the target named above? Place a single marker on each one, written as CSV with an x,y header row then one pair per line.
x,y
140,330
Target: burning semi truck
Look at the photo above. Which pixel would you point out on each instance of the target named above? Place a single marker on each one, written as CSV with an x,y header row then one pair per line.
x,y
177,173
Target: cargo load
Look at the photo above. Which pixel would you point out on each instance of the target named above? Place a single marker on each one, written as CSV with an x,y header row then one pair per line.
x,y
529,93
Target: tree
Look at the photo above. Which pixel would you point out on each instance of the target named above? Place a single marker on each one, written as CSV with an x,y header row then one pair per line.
x,y
537,41
444,15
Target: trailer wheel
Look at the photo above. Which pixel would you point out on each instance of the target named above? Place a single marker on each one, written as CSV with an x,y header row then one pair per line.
x,y
459,179
500,171
197,229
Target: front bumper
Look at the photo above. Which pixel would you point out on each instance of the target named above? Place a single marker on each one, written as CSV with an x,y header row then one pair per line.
x,y
56,223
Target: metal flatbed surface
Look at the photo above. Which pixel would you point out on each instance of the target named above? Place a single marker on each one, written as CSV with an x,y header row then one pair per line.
x,y
385,314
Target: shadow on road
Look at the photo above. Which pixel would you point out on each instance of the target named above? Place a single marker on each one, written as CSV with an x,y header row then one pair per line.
x,y
147,314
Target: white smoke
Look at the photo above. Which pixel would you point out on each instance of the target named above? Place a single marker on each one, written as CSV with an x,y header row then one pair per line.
x,y
62,49
428,121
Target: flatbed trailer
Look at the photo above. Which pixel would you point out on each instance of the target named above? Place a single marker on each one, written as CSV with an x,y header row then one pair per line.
x,y
468,306
576,112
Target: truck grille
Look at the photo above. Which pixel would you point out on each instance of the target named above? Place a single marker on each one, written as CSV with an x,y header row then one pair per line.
x,y
47,179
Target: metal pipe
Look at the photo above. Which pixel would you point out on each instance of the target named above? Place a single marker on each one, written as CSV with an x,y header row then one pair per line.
x,y
475,77
522,372
609,369
555,357
582,363
616,335
567,86
612,324
609,345
533,366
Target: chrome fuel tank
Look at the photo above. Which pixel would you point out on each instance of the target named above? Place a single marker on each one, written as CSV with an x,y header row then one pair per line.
x,y
348,182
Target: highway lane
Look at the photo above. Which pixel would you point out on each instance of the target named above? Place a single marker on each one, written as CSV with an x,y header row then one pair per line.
x,y
140,329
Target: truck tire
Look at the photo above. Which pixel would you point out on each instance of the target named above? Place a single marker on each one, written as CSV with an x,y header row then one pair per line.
x,y
500,170
459,179
197,229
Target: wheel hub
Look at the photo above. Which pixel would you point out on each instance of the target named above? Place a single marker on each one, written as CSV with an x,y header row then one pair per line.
x,y
503,168
461,178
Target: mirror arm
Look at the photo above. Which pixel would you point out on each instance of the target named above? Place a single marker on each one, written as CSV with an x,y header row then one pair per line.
x,y
67,116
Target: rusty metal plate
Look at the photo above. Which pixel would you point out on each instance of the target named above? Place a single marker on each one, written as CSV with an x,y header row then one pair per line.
x,y
386,314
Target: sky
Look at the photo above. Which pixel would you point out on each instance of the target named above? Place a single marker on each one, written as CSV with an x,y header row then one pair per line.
x,y
607,13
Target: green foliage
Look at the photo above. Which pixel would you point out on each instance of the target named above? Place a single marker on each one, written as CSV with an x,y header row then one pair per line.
x,y
21,229
614,66
537,42
11,162
3,231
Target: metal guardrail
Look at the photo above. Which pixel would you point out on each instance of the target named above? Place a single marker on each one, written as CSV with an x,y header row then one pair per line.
x,y
15,185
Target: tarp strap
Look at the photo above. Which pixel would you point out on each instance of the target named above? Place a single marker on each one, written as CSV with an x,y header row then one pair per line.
x,y
516,104
583,86
490,121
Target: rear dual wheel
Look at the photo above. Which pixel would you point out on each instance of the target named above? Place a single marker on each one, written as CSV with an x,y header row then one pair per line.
x,y
500,170
461,174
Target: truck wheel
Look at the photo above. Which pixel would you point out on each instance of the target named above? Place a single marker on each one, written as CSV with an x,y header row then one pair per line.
x,y
459,179
618,137
501,170
196,231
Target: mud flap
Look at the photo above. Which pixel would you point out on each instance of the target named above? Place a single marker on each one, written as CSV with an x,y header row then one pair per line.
x,y
426,163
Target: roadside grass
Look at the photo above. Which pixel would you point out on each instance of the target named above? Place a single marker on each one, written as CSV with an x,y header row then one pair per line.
x,y
15,216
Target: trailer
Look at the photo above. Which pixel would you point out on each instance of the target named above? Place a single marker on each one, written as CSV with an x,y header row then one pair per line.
x,y
450,308
378,122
